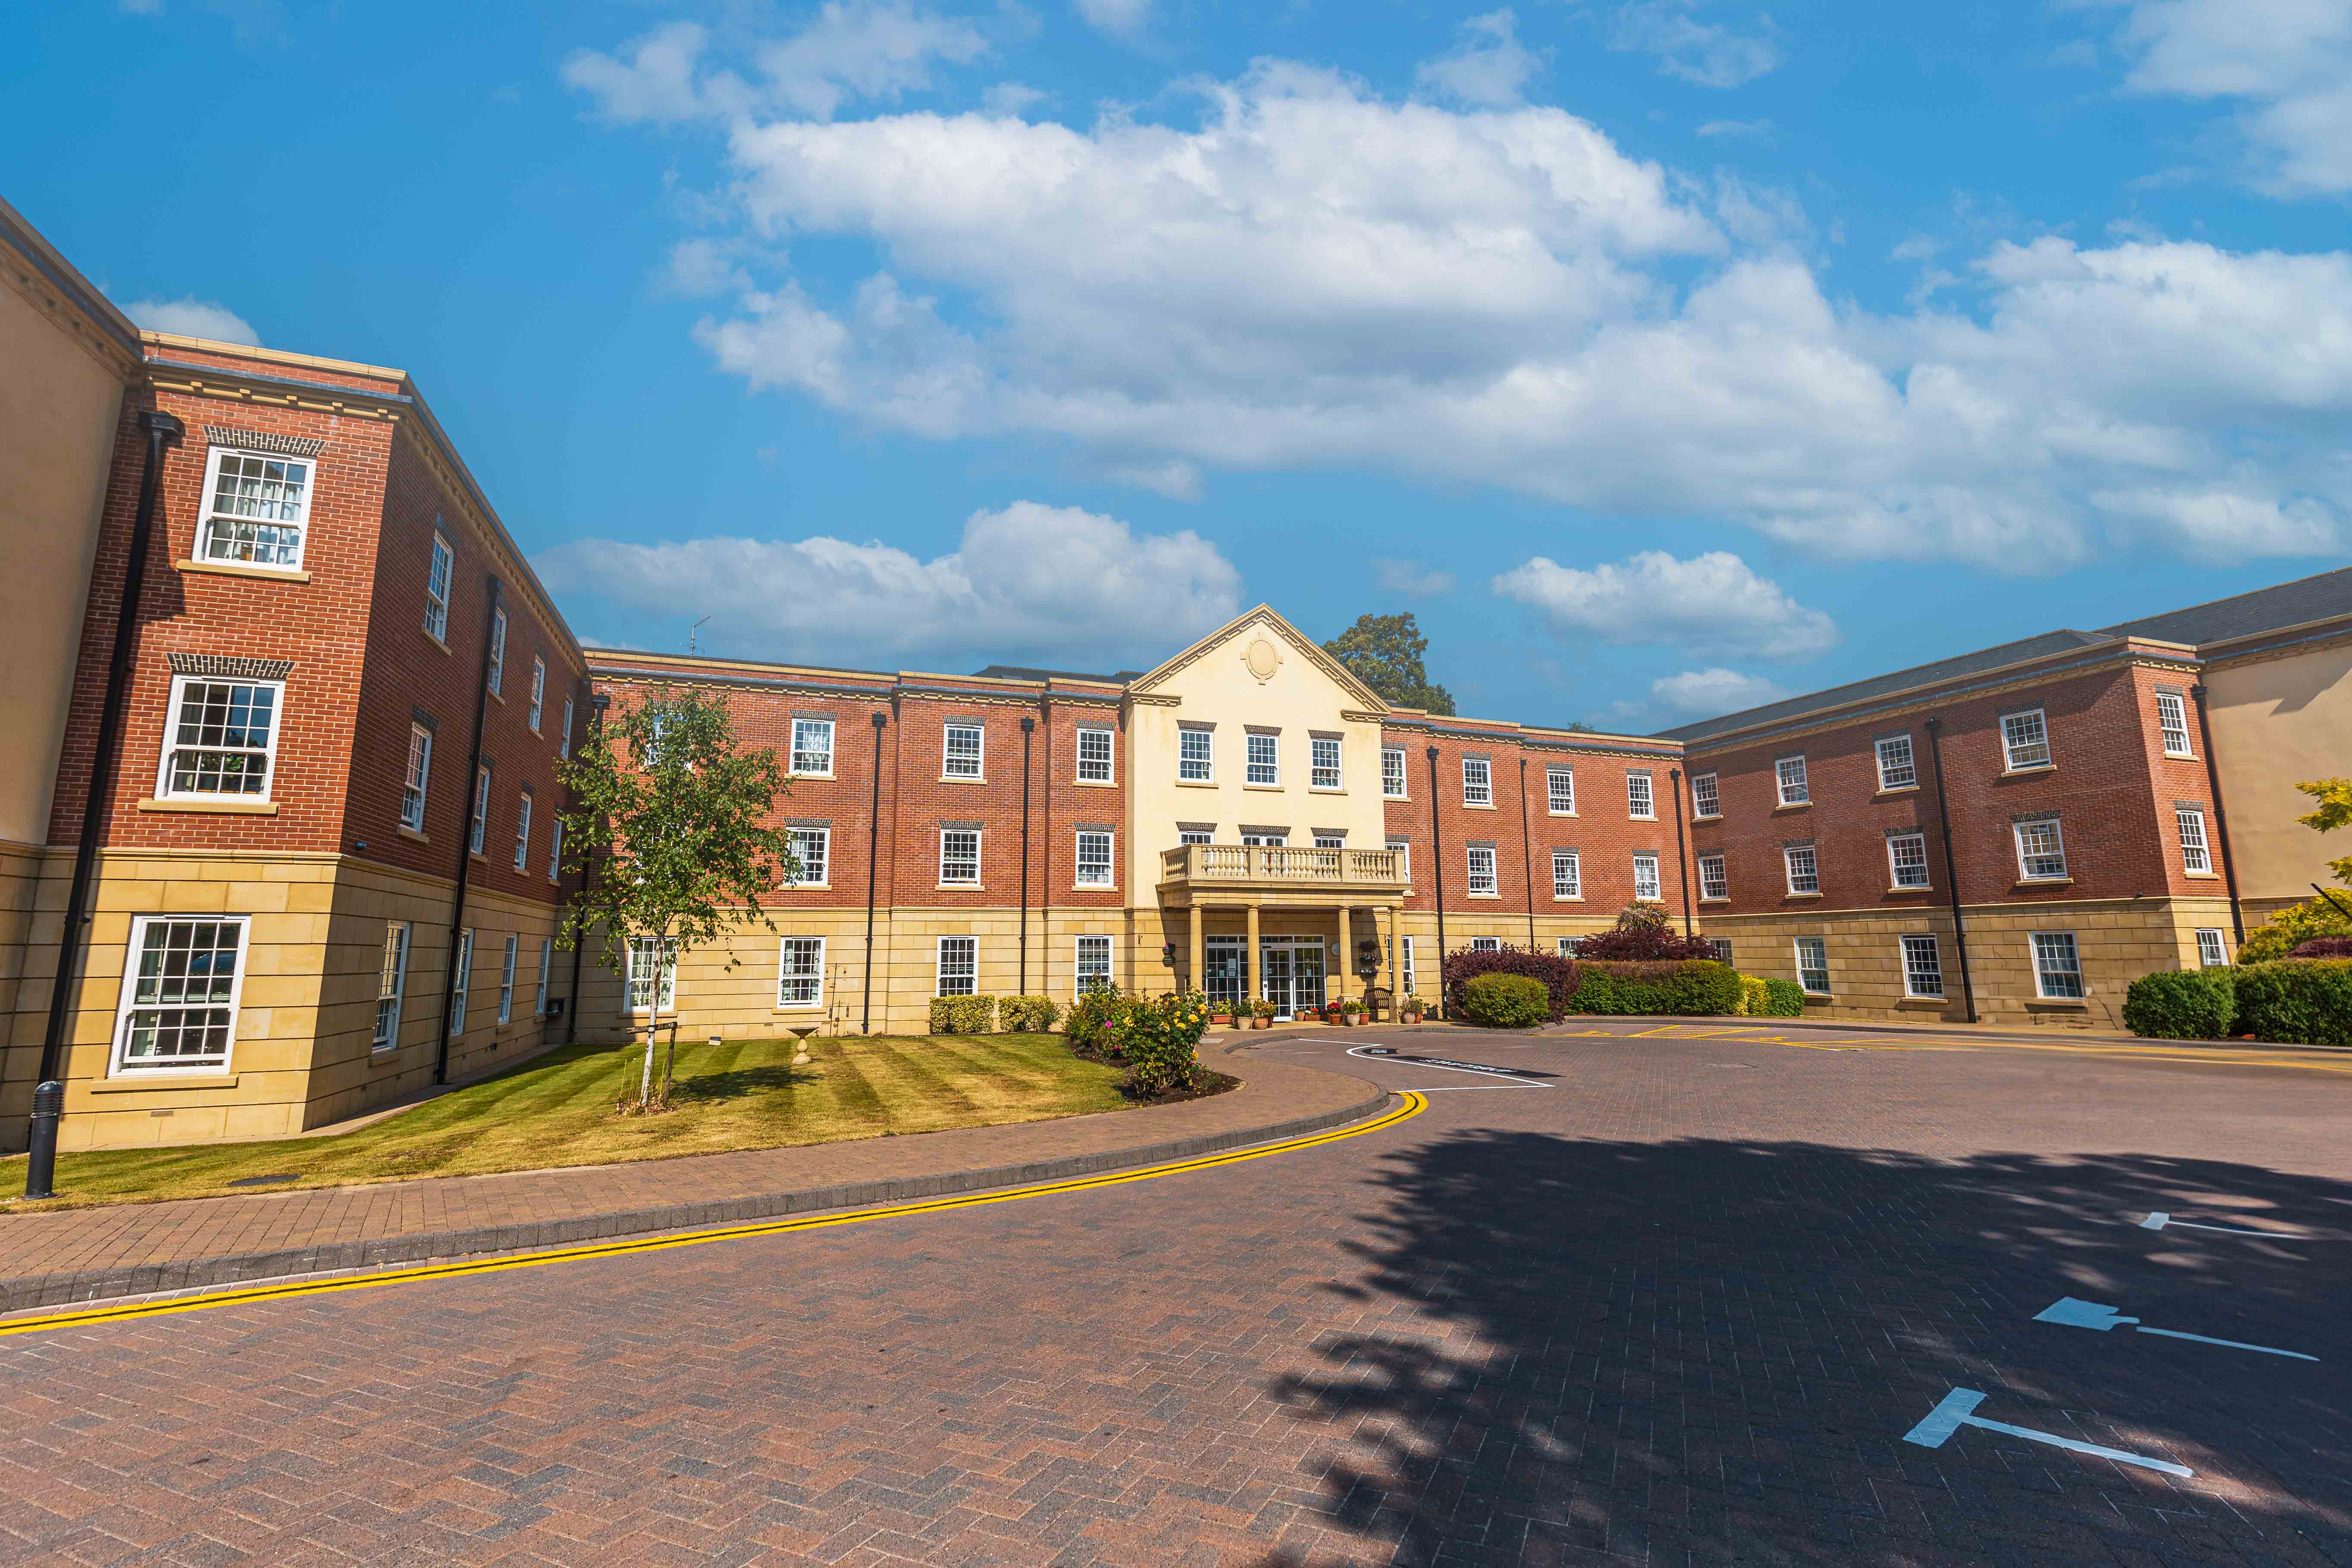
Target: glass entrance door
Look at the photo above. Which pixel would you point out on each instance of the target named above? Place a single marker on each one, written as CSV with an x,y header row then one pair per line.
x,y
1291,971
1221,957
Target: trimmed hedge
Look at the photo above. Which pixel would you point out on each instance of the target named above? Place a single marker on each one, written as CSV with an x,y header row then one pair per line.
x,y
1754,998
1555,973
1506,1001
1783,999
963,1014
2182,1005
1027,1015
2323,947
1694,986
2298,1001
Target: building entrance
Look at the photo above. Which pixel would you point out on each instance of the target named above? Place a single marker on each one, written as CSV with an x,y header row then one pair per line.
x,y
1291,972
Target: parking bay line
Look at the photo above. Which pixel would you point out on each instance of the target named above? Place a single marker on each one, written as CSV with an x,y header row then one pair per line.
x,y
1957,1409
2159,1220
2080,1314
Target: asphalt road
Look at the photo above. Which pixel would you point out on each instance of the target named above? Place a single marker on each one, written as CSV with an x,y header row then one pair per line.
x,y
1671,1299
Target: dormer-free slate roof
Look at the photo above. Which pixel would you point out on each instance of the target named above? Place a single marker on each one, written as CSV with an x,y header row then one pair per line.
x,y
1024,672
2294,604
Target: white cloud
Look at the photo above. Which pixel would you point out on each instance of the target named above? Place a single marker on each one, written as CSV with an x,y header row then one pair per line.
x,y
1707,693
1489,68
1410,577
1123,18
851,49
192,317
1007,590
703,267
1011,99
2221,524
1312,275
1175,480
1707,54
1742,130
2287,62
1711,604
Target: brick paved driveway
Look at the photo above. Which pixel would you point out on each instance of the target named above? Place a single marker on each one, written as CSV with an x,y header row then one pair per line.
x,y
1678,1307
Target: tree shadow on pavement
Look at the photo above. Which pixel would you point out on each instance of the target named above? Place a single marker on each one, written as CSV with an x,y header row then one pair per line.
x,y
1574,1351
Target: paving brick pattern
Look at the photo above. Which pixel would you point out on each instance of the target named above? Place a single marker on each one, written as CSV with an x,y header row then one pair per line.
x,y
81,1255
1679,1309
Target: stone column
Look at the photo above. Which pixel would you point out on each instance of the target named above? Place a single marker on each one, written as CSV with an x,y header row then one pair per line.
x,y
1389,959
1346,954
1249,957
1199,976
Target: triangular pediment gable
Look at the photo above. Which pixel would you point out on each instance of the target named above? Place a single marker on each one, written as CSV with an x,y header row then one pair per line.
x,y
1293,641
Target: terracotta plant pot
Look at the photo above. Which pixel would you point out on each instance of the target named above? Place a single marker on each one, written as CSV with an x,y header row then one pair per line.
x,y
1258,1022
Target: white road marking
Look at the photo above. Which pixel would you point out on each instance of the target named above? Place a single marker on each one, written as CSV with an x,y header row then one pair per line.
x,y
2080,1314
2160,1220
1373,1051
1956,1411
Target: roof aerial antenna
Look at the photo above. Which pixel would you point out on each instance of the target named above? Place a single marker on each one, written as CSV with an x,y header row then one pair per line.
x,y
692,630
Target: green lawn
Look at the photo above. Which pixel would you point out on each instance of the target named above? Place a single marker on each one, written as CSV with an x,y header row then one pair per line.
x,y
558,1110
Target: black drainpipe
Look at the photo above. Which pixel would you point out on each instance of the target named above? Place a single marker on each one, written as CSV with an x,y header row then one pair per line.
x,y
162,430
873,847
2221,820
1527,854
597,703
1951,865
1437,878
1028,726
465,834
1682,860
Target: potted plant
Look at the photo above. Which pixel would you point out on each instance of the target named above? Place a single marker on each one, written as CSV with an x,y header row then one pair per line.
x,y
1352,1011
1219,1015
1413,1009
1260,1015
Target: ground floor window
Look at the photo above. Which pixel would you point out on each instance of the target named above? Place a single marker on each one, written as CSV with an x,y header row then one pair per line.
x,y
390,984
2057,966
1485,945
799,971
506,980
1814,964
458,989
2210,950
1567,947
179,994
1094,963
546,960
1404,967
1923,967
958,967
1722,946
641,976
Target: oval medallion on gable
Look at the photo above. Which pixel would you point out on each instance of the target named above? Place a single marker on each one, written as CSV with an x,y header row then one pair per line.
x,y
1263,659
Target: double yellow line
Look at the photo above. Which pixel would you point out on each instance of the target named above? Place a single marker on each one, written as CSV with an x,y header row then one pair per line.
x,y
1414,1105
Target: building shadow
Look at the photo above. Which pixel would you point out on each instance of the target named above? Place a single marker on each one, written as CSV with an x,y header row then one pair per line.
x,y
1574,1351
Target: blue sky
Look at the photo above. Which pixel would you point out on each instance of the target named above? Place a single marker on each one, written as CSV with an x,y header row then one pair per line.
x,y
1663,356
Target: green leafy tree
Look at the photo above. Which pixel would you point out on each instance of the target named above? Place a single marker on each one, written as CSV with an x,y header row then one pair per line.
x,y
2335,798
677,813
1385,652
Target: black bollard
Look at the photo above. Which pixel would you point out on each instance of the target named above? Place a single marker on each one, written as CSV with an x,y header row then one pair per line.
x,y
41,1168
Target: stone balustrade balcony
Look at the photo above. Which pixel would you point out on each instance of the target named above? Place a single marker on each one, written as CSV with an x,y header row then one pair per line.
x,y
1270,874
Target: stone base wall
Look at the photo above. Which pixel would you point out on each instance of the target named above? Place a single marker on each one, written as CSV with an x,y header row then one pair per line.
x,y
2117,940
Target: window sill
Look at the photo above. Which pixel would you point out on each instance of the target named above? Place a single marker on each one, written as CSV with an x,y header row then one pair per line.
x,y
1885,790
1925,1003
1792,805
804,886
495,695
1400,798
961,779
132,1084
2180,756
386,1055
1270,789
1327,789
1196,784
2029,772
2057,1005
1094,888
1096,784
1893,892
1477,805
1706,899
404,831
959,887
1821,995
1568,898
1801,895
2022,883
1695,815
214,807
1483,895
2202,875
1639,899
817,1007
426,633
230,569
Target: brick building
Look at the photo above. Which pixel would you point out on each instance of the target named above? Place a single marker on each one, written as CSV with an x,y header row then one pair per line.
x,y
334,755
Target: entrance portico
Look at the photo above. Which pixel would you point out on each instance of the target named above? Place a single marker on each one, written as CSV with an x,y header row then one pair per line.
x,y
1316,897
